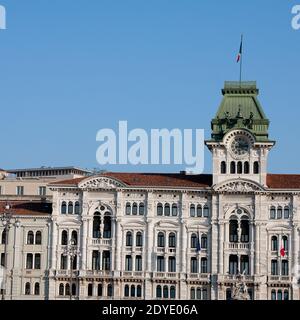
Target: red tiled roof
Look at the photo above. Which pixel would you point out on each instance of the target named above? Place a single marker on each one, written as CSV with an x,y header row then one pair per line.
x,y
153,180
26,207
283,181
274,181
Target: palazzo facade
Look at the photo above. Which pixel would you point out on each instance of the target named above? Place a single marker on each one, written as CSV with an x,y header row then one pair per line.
x,y
164,236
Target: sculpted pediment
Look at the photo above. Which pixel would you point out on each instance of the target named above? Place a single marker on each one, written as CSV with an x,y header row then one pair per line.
x,y
100,183
242,186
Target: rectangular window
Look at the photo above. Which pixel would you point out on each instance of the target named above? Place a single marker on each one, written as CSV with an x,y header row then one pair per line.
x,y
172,264
0,189
96,260
29,261
42,191
37,261
194,265
160,264
20,190
128,263
274,268
138,263
106,261
2,259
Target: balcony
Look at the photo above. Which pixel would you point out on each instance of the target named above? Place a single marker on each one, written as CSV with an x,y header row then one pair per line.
x,y
237,246
102,242
166,275
65,273
280,279
132,274
233,277
160,250
95,273
197,276
134,249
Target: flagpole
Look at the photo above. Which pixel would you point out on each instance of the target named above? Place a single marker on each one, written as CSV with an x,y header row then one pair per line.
x,y
241,61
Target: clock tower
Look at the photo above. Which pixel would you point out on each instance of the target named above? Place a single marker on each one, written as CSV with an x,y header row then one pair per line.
x,y
240,141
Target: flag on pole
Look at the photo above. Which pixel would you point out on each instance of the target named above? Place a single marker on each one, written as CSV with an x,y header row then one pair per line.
x,y
282,249
240,52
198,243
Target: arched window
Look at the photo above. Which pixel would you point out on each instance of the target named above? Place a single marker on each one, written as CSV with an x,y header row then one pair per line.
x,y
274,243
274,268
100,290
38,238
279,213
129,239
126,290
172,240
256,167
139,239
166,292
192,210
172,292
64,238
77,207
285,243
203,265
233,230
286,295
96,225
193,294
232,167
204,294
204,242
246,167
206,211
279,295
110,291
273,213
132,291
160,240
107,227
61,290
63,207
74,289
30,237
194,241
223,167
141,209
139,291
158,292
167,210
273,295
239,167
70,207
74,237
29,261
37,289
134,209
159,209
174,210
245,230
286,212
68,289
27,289
128,209
199,211
3,237
90,289
228,294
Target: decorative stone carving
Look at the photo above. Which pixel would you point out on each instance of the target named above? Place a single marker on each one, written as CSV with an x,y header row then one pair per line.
x,y
238,186
100,183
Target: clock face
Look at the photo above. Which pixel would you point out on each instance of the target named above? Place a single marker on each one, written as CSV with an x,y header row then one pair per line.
x,y
240,146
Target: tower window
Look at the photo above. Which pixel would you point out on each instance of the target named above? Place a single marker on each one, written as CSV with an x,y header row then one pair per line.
x,y
256,167
232,167
223,167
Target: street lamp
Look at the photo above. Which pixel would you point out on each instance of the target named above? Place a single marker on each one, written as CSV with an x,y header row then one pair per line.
x,y
71,251
7,221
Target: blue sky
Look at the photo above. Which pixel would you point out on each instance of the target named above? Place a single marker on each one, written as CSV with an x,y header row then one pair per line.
x,y
69,68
